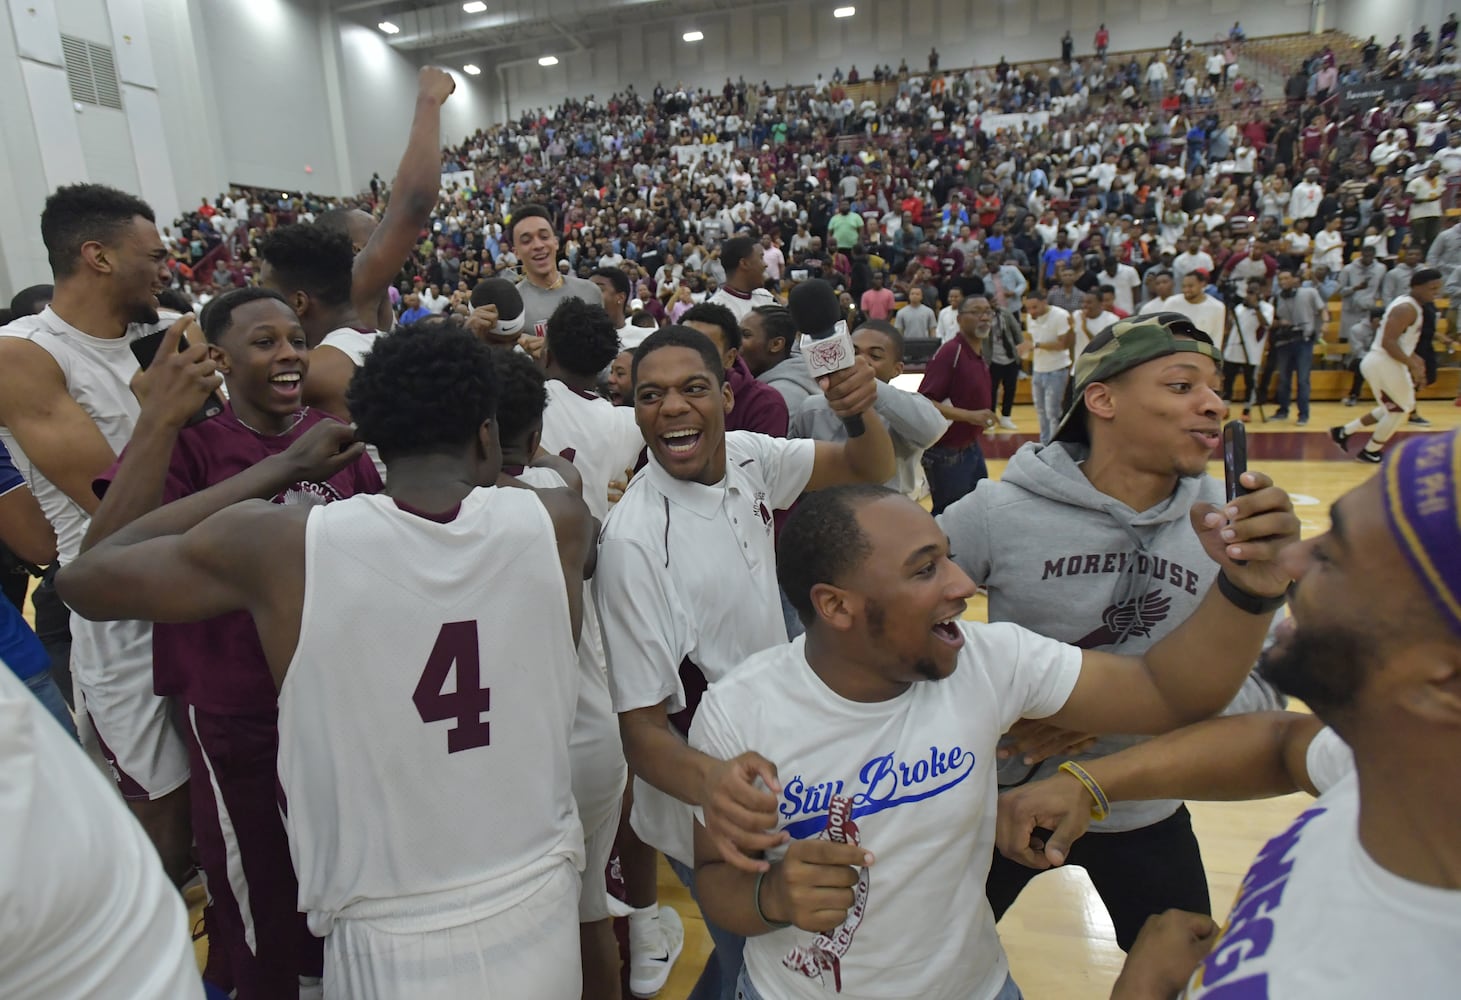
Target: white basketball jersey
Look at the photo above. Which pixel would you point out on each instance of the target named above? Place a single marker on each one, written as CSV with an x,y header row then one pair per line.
x,y
89,911
595,751
1410,338
425,719
599,438
351,342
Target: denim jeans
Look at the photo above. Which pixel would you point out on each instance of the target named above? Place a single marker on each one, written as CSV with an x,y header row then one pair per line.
x,y
44,688
723,967
953,474
1295,359
1049,392
746,990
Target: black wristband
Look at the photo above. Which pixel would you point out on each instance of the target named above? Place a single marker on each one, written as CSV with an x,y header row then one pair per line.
x,y
1244,601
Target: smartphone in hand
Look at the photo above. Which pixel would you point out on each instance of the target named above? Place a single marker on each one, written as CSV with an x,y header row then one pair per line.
x,y
1235,461
145,349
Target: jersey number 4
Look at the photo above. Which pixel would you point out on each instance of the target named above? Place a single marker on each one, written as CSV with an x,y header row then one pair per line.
x,y
456,646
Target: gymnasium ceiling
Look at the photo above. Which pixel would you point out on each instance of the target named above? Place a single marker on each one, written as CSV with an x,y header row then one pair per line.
x,y
513,30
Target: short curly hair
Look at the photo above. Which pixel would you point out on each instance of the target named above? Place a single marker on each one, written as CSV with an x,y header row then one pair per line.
x,y
424,389
79,213
821,542
581,337
312,259
522,396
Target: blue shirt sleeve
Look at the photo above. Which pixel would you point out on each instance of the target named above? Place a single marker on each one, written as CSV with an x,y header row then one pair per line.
x,y
10,476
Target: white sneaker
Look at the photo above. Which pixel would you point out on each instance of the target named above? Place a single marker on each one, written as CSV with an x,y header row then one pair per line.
x,y
1007,423
655,943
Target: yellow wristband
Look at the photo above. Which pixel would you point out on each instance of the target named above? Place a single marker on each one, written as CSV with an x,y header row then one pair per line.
x,y
1102,808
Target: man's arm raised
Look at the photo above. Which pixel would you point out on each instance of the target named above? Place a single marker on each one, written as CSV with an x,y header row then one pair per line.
x,y
413,196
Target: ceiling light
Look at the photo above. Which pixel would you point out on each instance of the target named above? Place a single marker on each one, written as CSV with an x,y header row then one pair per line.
x,y
547,60
844,12
475,7
471,69
388,28
694,36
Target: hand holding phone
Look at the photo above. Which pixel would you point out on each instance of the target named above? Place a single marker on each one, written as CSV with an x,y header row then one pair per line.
x,y
1235,461
177,381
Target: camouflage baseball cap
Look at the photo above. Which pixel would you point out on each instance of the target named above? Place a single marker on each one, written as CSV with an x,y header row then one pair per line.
x,y
1121,347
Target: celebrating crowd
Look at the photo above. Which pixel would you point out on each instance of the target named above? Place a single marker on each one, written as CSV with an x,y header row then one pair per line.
x,y
409,604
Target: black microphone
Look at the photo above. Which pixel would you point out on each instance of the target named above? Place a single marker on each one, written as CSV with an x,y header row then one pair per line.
x,y
818,315
504,295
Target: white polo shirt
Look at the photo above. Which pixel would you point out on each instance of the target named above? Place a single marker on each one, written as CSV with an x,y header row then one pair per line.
x,y
689,571
1045,331
920,770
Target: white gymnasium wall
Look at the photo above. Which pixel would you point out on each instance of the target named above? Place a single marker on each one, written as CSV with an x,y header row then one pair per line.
x,y
265,58
1387,18
792,42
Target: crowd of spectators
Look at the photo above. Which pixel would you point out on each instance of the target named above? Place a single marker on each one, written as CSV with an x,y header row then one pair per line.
x,y
1114,174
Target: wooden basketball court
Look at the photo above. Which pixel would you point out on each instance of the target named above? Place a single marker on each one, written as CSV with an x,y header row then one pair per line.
x,y
1060,941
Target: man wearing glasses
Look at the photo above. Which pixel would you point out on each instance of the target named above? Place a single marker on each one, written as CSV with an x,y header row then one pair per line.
x,y
957,381
1088,540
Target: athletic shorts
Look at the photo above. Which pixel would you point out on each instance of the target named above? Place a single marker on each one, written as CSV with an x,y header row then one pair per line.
x,y
112,666
598,846
1390,381
243,850
529,950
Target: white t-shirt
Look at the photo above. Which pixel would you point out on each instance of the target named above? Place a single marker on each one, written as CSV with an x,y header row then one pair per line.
x,y
1045,331
89,910
921,772
1244,335
1125,282
688,571
1184,263
1327,249
1086,328
1209,315
739,304
1317,917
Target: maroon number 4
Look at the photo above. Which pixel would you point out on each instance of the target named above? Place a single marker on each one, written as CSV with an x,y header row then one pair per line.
x,y
456,646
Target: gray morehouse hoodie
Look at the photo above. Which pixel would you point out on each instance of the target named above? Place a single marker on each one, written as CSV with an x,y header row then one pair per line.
x,y
792,378
1050,547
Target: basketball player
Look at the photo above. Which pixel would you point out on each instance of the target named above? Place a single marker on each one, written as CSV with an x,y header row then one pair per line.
x,y
619,382
381,248
1392,367
744,287
90,912
1360,896
389,622
215,670
532,237
894,704
310,266
1087,541
613,285
686,577
67,407
603,443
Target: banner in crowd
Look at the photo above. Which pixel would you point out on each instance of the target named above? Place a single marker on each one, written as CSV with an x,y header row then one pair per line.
x,y
1371,95
1024,122
692,153
463,179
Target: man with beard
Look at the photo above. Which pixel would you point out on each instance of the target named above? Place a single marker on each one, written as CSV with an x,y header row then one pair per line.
x,y
67,406
1374,648
1086,540
883,730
